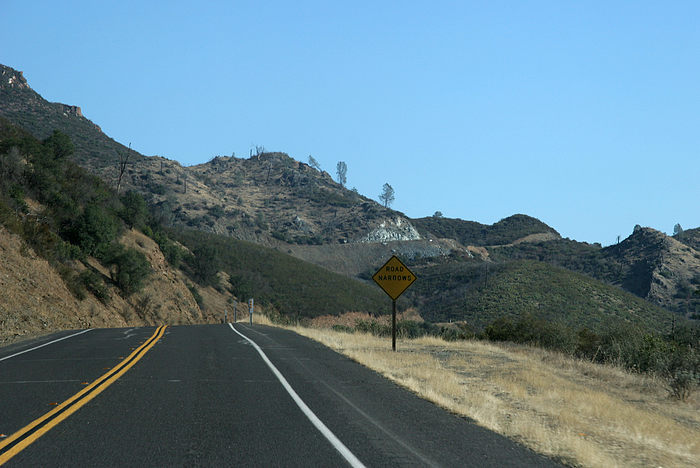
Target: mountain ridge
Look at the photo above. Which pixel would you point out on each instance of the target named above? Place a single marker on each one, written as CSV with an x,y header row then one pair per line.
x,y
275,201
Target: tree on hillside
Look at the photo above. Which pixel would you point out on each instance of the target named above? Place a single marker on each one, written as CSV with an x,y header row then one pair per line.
x,y
259,150
129,268
61,145
121,166
677,229
387,195
342,170
135,211
313,163
437,214
93,230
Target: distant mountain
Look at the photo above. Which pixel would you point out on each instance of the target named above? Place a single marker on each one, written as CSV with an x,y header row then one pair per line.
x,y
24,107
480,293
74,254
660,269
506,231
690,237
267,198
276,201
649,264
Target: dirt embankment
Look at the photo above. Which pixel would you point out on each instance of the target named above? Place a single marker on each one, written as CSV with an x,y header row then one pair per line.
x,y
34,300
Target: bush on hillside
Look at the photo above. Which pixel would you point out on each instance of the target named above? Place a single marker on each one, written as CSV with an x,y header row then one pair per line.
x,y
93,231
674,357
93,283
130,268
134,211
531,330
204,263
171,251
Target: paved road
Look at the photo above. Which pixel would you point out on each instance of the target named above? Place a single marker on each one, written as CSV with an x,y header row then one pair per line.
x,y
203,396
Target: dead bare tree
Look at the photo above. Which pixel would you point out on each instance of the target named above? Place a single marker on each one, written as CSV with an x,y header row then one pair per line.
x,y
121,166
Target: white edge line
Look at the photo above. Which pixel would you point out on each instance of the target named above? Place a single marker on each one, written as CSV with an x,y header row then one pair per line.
x,y
323,429
46,344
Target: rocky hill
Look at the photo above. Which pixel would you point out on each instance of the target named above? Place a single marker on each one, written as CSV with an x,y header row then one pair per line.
x,y
24,107
516,228
276,201
660,269
649,264
267,198
479,293
37,300
690,237
75,254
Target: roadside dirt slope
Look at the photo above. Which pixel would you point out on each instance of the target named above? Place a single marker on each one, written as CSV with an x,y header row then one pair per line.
x,y
34,300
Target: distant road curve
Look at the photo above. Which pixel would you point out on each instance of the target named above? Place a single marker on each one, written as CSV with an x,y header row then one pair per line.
x,y
216,395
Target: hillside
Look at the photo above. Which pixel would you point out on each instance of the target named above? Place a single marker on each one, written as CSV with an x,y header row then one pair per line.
x,y
266,198
648,263
481,293
24,107
275,201
505,231
660,269
289,287
690,237
36,299
75,254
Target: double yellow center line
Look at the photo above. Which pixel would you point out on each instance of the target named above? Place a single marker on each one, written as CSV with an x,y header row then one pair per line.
x,y
37,428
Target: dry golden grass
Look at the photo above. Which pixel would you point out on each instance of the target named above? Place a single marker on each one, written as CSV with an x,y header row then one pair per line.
x,y
258,317
581,413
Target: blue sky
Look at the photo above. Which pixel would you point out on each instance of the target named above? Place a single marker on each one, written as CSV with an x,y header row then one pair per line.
x,y
585,115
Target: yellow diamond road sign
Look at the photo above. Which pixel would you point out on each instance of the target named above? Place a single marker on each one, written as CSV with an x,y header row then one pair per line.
x,y
394,277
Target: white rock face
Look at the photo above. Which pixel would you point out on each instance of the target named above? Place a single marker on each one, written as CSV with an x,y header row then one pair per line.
x,y
397,229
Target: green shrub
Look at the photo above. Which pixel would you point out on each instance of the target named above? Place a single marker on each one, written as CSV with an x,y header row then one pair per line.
x,y
459,331
130,268
93,283
59,146
134,212
682,383
72,281
682,370
373,327
195,294
172,252
94,230
204,263
16,193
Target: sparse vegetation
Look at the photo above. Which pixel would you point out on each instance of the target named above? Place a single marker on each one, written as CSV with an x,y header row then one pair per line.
x,y
387,195
503,232
295,289
482,292
314,163
584,414
130,268
79,215
342,171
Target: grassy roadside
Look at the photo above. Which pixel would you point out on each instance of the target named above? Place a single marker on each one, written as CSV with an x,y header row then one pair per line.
x,y
581,413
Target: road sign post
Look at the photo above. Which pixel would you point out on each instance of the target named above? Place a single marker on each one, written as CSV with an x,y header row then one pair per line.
x,y
251,305
394,278
393,325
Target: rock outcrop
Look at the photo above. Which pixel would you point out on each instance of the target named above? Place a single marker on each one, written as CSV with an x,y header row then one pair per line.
x,y
392,229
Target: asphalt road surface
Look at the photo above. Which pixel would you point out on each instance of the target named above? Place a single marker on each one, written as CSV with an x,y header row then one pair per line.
x,y
205,396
